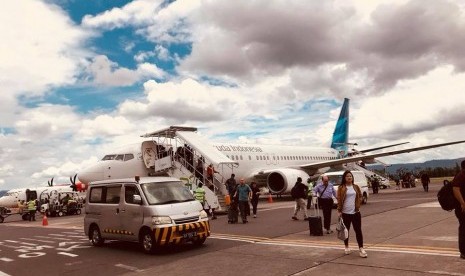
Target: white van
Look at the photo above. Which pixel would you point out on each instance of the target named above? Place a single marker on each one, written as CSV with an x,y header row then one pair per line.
x,y
154,211
360,179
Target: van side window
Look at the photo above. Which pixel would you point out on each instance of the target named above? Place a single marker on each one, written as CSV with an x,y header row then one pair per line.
x,y
112,194
129,192
96,195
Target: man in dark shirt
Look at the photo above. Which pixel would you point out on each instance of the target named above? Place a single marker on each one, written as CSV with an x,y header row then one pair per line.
x,y
459,192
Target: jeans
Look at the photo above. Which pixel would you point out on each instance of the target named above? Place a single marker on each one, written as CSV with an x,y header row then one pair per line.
x,y
356,220
326,204
243,209
254,205
461,217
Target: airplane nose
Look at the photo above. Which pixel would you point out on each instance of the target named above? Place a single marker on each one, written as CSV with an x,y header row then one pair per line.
x,y
87,176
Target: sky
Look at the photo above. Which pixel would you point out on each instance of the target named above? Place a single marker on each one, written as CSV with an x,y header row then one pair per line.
x,y
80,78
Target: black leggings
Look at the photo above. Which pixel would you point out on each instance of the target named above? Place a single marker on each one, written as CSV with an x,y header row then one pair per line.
x,y
356,220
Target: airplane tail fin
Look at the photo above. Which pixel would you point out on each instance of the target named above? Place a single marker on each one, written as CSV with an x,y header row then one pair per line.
x,y
341,131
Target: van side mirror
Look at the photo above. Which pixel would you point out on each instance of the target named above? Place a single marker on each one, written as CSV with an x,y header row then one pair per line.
x,y
136,199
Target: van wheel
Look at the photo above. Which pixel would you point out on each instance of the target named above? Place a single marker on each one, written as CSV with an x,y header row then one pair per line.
x,y
1,219
364,198
147,241
95,236
199,241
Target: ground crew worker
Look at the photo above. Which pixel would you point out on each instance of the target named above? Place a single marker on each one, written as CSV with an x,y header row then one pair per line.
x,y
309,193
20,206
31,207
199,194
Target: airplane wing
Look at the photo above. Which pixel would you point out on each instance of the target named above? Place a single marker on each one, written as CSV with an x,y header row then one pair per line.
x,y
378,148
313,167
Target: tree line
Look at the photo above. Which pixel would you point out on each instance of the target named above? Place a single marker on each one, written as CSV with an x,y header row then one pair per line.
x,y
417,171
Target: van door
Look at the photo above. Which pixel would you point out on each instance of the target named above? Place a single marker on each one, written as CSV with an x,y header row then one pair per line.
x,y
131,213
110,210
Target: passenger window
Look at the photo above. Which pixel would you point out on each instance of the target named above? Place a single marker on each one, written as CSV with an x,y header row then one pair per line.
x,y
129,192
112,195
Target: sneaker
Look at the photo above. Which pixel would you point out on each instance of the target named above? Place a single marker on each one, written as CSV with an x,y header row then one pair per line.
x,y
362,252
214,217
295,218
329,231
254,216
347,251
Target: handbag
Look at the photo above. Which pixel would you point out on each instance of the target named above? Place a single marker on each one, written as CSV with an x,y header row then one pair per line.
x,y
342,232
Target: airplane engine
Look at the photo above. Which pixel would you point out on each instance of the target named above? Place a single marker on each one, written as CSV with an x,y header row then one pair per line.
x,y
282,181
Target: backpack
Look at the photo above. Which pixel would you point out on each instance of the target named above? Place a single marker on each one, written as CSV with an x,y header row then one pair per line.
x,y
295,192
446,197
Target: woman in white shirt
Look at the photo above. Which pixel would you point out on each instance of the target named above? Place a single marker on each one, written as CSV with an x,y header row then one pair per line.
x,y
349,199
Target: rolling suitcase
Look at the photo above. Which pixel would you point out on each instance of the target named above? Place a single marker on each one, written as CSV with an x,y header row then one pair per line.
x,y
314,223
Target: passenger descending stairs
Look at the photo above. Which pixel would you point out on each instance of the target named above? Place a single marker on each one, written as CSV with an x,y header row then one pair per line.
x,y
214,199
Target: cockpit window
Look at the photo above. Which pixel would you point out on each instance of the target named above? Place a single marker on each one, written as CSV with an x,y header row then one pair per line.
x,y
120,157
128,157
109,157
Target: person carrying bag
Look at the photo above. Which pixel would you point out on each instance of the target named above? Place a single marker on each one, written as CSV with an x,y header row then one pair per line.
x,y
342,232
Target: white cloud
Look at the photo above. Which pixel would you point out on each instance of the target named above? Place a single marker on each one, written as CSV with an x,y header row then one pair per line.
x,y
108,73
135,12
40,49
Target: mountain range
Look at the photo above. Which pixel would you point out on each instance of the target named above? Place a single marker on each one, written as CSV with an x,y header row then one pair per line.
x,y
441,163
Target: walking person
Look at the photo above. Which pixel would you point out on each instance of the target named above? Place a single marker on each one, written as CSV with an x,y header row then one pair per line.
x,y
243,194
300,195
199,171
231,185
309,193
325,192
425,181
210,172
349,200
255,196
458,185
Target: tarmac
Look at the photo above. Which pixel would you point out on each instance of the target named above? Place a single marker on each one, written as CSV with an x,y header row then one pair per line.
x,y
417,240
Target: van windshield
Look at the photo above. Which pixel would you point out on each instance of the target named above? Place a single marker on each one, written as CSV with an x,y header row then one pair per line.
x,y
166,192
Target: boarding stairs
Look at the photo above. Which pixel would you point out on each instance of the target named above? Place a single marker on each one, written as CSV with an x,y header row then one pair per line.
x,y
369,174
175,151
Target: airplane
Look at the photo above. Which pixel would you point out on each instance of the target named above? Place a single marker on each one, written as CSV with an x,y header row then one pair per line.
x,y
275,167
11,198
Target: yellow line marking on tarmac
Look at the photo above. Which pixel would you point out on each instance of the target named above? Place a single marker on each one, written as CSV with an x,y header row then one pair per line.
x,y
392,248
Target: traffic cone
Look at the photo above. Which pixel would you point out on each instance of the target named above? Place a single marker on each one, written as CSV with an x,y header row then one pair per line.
x,y
270,198
44,220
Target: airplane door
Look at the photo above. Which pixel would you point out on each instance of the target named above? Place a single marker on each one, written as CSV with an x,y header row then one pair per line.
x,y
131,213
110,212
271,159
